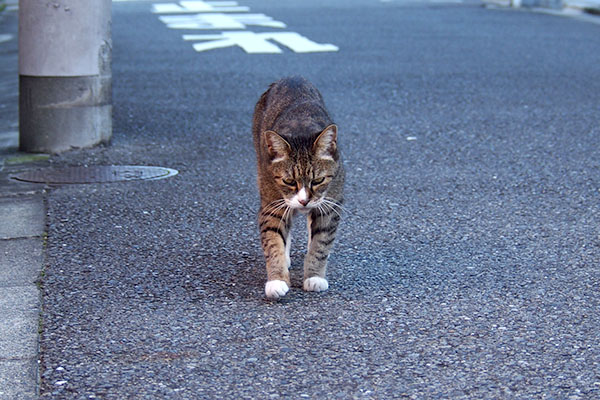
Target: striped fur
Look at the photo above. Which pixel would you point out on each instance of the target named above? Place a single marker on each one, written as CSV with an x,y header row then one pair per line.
x,y
299,171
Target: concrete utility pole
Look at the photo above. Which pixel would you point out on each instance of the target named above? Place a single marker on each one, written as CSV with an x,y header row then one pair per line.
x,y
65,74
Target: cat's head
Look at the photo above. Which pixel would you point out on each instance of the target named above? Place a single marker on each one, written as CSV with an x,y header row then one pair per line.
x,y
303,168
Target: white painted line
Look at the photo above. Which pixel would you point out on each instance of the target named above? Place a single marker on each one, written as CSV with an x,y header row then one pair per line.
x,y
260,20
191,38
258,43
5,37
250,42
202,21
299,43
166,8
193,7
9,139
209,15
219,21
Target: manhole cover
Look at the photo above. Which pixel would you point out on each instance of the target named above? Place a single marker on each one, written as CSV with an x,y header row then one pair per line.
x,y
95,174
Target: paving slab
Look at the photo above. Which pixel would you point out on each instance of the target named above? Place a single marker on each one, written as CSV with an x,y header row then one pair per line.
x,y
18,379
20,261
22,222
9,187
21,217
19,307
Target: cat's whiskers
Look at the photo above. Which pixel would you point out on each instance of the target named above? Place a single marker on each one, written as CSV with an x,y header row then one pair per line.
x,y
332,205
319,206
286,215
322,207
274,206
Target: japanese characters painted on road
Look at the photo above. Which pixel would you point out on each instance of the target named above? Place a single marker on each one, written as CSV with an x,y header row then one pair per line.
x,y
220,21
192,7
228,15
258,43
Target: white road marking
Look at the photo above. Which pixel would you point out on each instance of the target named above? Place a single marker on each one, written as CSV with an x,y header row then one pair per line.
x,y
9,139
210,15
299,43
220,21
422,1
192,7
446,1
5,37
258,43
246,40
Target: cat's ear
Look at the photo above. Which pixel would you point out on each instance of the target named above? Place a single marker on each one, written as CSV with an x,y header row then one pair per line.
x,y
326,144
279,148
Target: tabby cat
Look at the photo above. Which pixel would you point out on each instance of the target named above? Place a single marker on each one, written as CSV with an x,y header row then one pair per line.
x,y
299,170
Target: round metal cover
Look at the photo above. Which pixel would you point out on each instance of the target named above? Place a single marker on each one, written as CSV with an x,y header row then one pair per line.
x,y
95,174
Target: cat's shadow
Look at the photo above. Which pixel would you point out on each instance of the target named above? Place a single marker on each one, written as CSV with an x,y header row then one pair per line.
x,y
240,272
249,276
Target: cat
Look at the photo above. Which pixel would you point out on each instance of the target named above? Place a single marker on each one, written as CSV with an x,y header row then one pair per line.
x,y
299,170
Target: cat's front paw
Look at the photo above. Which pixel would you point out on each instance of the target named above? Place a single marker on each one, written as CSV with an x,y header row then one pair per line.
x,y
316,284
275,289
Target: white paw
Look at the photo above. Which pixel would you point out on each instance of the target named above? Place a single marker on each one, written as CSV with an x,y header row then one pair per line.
x,y
316,284
275,289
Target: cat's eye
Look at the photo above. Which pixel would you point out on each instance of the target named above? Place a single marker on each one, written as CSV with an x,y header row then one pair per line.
x,y
289,182
318,181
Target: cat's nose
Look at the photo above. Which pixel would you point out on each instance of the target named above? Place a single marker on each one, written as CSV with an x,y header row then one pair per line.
x,y
302,197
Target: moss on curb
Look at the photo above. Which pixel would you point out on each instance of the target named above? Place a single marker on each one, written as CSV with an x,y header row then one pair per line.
x,y
26,158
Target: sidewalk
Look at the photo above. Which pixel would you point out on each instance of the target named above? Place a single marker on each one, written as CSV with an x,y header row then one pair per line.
x,y
22,224
590,6
570,7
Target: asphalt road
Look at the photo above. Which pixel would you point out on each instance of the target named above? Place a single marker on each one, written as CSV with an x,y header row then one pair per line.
x,y
467,264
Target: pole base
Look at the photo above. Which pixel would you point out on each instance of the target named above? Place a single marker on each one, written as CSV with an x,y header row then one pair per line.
x,y
58,114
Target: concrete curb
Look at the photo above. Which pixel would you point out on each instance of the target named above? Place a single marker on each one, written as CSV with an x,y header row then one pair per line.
x,y
22,216
584,10
568,6
21,260
588,6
